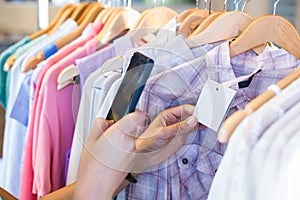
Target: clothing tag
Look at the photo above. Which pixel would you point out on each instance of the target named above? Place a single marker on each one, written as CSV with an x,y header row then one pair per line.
x,y
213,104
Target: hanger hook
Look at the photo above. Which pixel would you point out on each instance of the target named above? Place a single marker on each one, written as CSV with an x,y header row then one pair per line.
x,y
237,3
225,5
210,7
275,6
197,3
245,4
205,4
154,3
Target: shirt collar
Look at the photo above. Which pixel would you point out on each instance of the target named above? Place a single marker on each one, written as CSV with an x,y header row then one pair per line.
x,y
122,44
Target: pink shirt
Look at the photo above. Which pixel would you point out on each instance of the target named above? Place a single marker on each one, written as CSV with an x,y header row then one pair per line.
x,y
51,130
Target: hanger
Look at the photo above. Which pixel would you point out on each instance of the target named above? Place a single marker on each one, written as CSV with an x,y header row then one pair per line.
x,y
145,22
31,63
208,20
192,21
61,16
274,28
68,9
142,18
118,21
124,19
216,16
86,12
153,20
182,16
235,119
104,15
282,33
224,27
64,79
65,15
78,11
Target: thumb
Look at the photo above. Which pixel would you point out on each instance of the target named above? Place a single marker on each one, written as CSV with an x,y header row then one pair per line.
x,y
182,127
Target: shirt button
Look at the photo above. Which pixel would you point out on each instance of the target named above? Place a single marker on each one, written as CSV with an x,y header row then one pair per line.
x,y
185,161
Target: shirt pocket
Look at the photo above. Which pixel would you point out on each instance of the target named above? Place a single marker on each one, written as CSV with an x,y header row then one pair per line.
x,y
197,167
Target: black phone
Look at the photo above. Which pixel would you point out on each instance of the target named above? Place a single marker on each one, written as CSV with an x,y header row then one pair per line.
x,y
131,87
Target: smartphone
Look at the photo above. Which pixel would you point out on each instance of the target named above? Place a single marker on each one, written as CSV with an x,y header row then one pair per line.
x,y
131,88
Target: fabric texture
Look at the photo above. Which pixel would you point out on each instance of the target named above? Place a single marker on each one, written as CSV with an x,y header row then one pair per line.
x,y
27,173
172,180
86,116
238,153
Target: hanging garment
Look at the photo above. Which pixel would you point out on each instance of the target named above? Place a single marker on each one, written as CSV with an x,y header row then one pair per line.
x,y
89,106
15,130
193,179
250,140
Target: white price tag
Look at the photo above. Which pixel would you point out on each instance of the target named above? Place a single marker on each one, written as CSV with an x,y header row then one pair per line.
x,y
213,104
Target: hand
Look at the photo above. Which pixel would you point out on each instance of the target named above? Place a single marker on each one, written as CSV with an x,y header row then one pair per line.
x,y
164,136
108,156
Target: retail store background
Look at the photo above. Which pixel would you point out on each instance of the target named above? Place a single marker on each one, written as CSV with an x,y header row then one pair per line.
x,y
19,18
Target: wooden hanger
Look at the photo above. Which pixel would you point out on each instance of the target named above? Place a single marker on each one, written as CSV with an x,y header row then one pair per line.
x,y
268,28
66,14
79,11
117,22
192,21
235,119
104,15
226,26
183,15
61,16
66,77
206,22
32,63
124,19
87,11
153,20
142,18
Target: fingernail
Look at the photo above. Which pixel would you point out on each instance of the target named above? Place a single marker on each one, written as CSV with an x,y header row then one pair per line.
x,y
191,120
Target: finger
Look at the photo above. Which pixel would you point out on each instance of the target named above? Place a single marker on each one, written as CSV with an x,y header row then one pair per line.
x,y
129,123
182,127
171,115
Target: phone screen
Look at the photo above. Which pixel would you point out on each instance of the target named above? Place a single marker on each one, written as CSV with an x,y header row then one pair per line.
x,y
131,87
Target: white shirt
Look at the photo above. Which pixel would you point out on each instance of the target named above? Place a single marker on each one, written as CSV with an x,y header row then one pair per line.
x,y
233,179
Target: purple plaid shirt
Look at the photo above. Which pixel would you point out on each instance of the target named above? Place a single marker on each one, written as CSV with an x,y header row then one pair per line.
x,y
189,172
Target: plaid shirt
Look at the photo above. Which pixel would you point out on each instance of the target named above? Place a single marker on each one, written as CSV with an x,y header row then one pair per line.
x,y
189,172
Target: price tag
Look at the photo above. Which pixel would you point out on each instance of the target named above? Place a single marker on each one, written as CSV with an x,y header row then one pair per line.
x,y
213,104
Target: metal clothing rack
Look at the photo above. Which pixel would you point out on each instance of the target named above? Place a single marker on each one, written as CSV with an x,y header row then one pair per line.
x,y
42,13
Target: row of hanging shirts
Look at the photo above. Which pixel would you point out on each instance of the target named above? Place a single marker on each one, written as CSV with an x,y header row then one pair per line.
x,y
91,45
